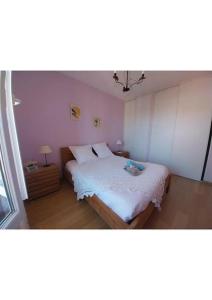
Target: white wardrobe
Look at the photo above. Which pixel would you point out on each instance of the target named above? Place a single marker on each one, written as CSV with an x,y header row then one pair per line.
x,y
171,127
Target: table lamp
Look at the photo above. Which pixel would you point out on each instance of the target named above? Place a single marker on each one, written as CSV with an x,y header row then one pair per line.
x,y
45,149
119,143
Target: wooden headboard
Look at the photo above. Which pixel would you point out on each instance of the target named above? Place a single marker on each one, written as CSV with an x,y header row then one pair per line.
x,y
66,155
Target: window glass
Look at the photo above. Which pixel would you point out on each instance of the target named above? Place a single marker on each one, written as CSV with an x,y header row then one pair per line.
x,y
6,206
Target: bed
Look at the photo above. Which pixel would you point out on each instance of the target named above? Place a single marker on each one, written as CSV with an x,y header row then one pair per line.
x,y
115,194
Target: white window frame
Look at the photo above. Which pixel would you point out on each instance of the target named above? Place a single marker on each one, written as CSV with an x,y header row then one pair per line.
x,y
14,136
13,170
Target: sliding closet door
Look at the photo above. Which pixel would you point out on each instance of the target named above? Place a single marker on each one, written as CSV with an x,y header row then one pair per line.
x,y
143,116
192,128
129,127
137,127
172,128
163,126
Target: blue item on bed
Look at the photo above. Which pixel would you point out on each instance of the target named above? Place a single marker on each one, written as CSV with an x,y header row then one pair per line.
x,y
131,163
132,170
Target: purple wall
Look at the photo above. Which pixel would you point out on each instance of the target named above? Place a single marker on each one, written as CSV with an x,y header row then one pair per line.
x,y
44,117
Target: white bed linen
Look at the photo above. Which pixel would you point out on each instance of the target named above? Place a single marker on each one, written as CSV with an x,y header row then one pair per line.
x,y
125,194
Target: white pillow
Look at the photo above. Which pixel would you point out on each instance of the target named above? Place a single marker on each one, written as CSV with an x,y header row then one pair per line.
x,y
83,153
102,150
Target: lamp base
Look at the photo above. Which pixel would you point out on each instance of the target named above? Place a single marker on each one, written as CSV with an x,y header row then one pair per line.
x,y
46,166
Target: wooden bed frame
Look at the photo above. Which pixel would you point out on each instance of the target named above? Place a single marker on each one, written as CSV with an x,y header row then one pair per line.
x,y
111,218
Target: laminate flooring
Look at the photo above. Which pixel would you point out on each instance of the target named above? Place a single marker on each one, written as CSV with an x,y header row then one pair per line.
x,y
188,205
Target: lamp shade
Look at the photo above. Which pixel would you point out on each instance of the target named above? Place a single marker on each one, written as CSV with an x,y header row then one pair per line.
x,y
45,149
118,142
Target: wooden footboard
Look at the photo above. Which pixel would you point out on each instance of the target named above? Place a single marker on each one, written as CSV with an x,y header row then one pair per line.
x,y
114,221
111,218
140,219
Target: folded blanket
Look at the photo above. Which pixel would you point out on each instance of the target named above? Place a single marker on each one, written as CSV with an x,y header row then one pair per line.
x,y
131,163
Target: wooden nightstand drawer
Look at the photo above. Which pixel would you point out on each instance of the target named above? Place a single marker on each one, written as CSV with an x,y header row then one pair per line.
x,y
43,181
41,178
122,153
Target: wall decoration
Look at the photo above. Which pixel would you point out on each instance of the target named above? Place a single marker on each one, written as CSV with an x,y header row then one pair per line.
x,y
75,112
97,122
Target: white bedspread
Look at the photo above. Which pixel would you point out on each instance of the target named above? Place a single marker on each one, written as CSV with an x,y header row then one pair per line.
x,y
125,194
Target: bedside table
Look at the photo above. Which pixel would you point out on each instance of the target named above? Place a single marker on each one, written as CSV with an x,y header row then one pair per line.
x,y
42,181
122,153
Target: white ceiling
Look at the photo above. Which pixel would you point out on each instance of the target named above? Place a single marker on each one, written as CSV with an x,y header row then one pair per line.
x,y
155,81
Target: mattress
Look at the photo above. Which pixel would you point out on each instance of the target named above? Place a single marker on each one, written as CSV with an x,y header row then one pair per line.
x,y
125,194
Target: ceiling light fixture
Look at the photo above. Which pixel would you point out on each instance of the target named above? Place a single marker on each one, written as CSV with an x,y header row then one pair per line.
x,y
127,86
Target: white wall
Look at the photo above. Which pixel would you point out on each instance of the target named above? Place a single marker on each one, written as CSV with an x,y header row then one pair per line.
x,y
171,127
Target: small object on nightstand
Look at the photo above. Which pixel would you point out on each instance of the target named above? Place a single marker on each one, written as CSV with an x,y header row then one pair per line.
x,y
31,166
122,153
42,181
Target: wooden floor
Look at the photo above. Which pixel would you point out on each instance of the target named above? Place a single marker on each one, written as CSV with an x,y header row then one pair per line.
x,y
188,205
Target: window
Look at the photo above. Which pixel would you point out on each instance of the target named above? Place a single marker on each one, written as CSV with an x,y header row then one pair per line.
x,y
6,205
12,183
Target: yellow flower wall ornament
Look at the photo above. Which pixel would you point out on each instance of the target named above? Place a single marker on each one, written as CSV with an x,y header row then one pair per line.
x,y
75,112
